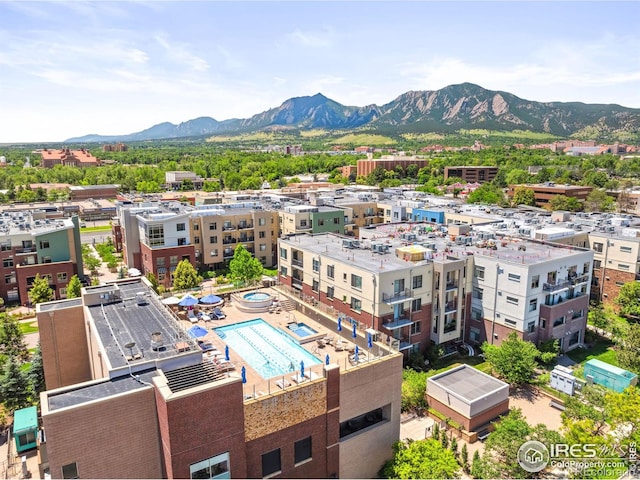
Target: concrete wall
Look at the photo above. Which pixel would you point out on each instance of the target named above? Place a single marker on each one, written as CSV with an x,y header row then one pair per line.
x,y
93,435
363,389
63,342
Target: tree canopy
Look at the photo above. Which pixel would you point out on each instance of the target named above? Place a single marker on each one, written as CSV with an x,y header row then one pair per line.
x,y
514,360
244,268
524,196
628,352
421,459
40,291
629,299
74,287
185,276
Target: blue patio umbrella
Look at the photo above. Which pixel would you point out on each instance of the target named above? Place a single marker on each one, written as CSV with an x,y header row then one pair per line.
x,y
302,368
197,331
243,372
326,359
211,299
339,324
354,334
226,352
356,354
369,341
188,301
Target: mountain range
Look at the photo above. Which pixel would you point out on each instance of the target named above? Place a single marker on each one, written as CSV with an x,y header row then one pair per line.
x,y
463,106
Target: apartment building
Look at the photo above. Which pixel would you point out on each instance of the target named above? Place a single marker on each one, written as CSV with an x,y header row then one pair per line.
x,y
546,191
472,174
296,219
155,236
389,162
31,244
416,286
131,395
175,180
358,214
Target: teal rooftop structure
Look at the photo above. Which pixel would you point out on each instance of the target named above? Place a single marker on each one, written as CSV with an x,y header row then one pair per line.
x,y
608,375
25,428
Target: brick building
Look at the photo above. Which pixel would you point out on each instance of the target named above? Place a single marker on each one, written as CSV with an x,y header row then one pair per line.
x,y
544,192
389,162
66,157
471,174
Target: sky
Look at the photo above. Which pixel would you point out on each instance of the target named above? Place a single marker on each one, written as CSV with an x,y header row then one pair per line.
x,y
72,68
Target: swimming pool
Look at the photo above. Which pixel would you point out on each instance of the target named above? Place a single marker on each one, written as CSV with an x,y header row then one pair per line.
x,y
268,351
256,296
301,329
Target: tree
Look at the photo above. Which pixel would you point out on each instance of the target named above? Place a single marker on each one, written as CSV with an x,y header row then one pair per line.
x,y
12,339
629,299
14,387
464,457
36,373
514,360
598,318
74,287
40,291
244,268
153,281
524,196
588,406
92,263
562,202
599,201
488,194
421,459
628,353
413,393
185,276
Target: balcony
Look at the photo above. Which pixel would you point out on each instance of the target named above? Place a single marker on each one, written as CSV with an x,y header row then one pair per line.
x,y
397,323
579,280
228,241
245,226
303,227
451,286
23,250
450,307
295,283
397,297
551,300
246,239
556,286
226,228
297,263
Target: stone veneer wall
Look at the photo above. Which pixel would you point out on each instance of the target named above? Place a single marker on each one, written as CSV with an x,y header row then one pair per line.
x,y
291,407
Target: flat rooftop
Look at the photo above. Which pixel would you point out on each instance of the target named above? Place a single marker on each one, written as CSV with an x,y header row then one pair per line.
x,y
467,382
125,327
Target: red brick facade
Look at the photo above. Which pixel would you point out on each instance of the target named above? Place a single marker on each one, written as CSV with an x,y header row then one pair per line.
x,y
60,273
149,260
469,424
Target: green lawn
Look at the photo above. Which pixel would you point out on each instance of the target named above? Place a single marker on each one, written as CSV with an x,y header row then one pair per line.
x,y
29,327
601,350
103,228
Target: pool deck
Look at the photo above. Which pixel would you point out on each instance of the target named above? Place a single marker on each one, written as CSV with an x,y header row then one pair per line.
x,y
258,386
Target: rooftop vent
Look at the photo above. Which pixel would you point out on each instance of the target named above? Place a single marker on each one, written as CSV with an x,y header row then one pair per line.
x,y
156,341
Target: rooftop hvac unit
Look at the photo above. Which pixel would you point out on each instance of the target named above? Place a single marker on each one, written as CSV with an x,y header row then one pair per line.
x,y
156,341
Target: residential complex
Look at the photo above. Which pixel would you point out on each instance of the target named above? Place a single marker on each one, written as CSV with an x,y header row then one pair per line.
x,y
31,244
132,395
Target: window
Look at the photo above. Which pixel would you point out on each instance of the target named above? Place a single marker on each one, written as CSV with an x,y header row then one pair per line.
x,y
417,281
46,259
597,247
63,292
575,338
597,263
330,292
625,249
513,277
9,279
283,271
303,223
263,247
356,304
196,227
510,322
477,293
558,321
262,222
416,304
5,247
315,285
196,240
531,326
214,252
302,450
44,244
533,305
70,470
585,268
227,225
619,284
214,467
476,314
623,266
213,226
512,300
315,265
474,334
363,421
283,253
7,262
330,271
160,262
543,323
271,462
62,277
173,260
356,281
262,234
336,220
155,235
180,227
478,272
182,241
416,328
535,281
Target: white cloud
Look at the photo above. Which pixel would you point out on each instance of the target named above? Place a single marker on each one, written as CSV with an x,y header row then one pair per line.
x,y
180,54
316,39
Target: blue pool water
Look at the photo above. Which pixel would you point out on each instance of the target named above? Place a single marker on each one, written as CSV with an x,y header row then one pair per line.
x,y
256,296
268,351
301,329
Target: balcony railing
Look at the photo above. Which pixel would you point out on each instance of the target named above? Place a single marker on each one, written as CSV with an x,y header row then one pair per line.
x,y
450,306
304,227
396,323
451,285
245,226
554,287
296,262
580,279
246,239
397,297
228,227
295,283
552,301
228,241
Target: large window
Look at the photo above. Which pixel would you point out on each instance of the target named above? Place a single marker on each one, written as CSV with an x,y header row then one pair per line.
x,y
535,281
533,305
44,244
330,292
302,450
283,253
155,235
70,470
417,281
214,467
271,462
416,304
331,271
478,272
356,304
180,227
356,281
62,276
315,285
363,421
213,226
477,293
7,262
316,265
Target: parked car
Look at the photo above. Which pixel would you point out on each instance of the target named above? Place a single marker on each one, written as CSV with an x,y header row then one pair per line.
x,y
218,314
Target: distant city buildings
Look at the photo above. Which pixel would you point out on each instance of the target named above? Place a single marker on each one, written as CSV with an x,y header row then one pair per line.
x,y
389,162
70,158
473,174
115,147
544,192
